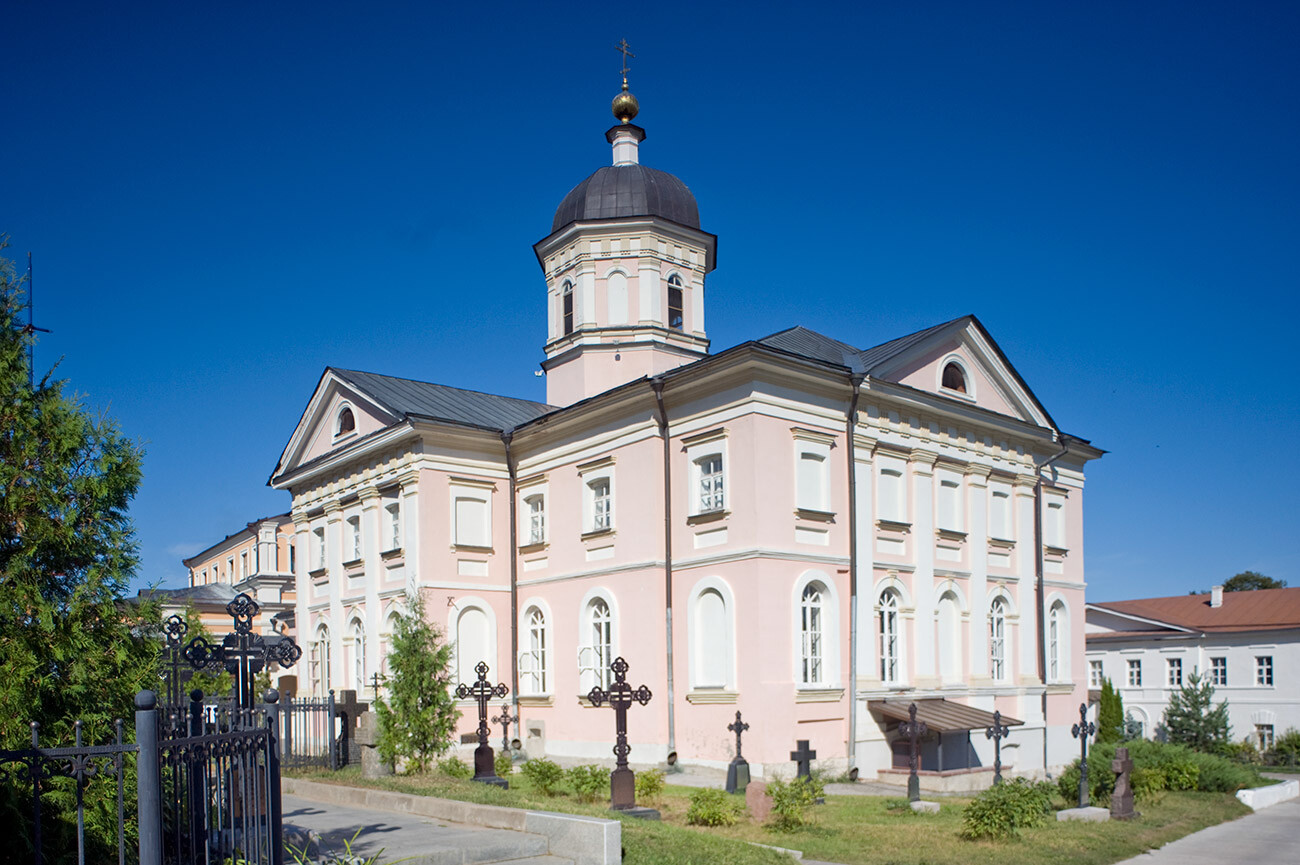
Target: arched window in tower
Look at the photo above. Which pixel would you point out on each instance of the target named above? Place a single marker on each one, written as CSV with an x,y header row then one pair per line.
x,y
812,633
566,298
675,320
954,378
346,422
888,625
998,639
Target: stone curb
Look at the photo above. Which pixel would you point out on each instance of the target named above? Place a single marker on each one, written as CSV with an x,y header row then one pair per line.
x,y
1263,797
585,840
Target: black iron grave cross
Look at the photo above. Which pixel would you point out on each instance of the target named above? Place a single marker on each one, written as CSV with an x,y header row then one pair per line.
x,y
1082,731
738,769
914,730
242,653
174,630
482,691
620,695
997,733
505,719
803,756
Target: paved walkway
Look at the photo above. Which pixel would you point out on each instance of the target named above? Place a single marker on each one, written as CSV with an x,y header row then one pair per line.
x,y
1268,836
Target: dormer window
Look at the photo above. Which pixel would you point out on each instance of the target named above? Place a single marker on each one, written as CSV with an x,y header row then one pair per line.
x,y
954,378
346,422
675,320
566,297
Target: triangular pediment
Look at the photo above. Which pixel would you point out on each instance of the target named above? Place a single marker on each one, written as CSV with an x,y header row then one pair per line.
x,y
987,379
319,430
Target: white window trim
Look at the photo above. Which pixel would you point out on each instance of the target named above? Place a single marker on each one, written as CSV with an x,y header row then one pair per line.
x,y
1272,671
716,584
453,616
1002,490
338,419
818,446
354,536
356,623
602,470
962,365
476,491
1009,615
956,482
1131,665
891,464
548,653
830,632
584,631
1172,664
699,448
1096,665
1065,658
324,669
1055,534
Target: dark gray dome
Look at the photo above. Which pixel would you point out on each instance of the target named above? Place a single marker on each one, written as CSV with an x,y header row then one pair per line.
x,y
628,190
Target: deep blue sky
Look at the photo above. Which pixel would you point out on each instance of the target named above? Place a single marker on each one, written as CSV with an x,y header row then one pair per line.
x,y
223,198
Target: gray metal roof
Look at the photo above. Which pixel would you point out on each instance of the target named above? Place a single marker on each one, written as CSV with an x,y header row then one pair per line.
x,y
404,396
221,593
810,343
628,190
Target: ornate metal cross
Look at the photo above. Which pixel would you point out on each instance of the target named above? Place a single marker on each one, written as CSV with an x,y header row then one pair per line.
x,y
997,733
620,695
738,728
242,653
482,691
375,681
803,755
505,719
1082,731
623,47
174,631
738,768
914,730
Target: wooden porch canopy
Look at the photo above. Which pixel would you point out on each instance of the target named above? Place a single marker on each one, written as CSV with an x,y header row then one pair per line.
x,y
939,714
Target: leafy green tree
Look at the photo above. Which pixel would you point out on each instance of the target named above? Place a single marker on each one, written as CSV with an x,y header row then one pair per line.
x,y
1193,720
70,647
418,717
1110,714
1248,581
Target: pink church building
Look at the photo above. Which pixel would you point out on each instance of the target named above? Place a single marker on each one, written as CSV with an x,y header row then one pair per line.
x,y
814,534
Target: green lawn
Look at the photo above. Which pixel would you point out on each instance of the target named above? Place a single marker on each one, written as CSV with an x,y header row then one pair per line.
x,y
855,830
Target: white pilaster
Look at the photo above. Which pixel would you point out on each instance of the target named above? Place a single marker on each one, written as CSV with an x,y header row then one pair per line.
x,y
1026,599
586,291
977,492
922,466
334,577
410,498
864,448
372,532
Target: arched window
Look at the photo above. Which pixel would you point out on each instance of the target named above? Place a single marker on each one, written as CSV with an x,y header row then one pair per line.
x,y
954,378
616,298
998,639
949,639
1057,668
472,643
597,650
346,422
889,642
566,299
675,319
358,656
535,675
711,640
320,661
812,635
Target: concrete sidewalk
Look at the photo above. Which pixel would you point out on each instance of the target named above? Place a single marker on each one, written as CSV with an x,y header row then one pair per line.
x,y
1269,836
410,837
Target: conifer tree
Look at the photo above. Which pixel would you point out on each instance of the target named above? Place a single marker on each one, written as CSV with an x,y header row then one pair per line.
x,y
1110,714
418,716
1193,720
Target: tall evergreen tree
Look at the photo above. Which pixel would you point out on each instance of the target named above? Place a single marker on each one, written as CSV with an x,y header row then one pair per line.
x,y
1110,714
418,717
1193,720
71,648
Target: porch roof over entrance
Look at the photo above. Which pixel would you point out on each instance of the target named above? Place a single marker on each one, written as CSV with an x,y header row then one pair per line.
x,y
939,714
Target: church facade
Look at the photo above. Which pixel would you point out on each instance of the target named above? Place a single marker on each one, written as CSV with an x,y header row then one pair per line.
x,y
813,534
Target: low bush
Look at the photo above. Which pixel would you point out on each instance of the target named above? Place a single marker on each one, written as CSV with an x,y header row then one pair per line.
x,y
1004,809
454,767
1286,749
791,801
1149,783
503,763
544,775
711,807
1181,767
589,782
649,786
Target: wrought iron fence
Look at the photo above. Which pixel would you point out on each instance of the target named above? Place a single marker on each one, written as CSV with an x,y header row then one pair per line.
x,y
310,734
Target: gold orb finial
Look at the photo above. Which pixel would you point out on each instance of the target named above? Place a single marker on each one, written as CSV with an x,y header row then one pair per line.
x,y
625,106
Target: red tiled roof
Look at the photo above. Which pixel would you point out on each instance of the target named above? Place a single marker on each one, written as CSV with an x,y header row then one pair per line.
x,y
1260,610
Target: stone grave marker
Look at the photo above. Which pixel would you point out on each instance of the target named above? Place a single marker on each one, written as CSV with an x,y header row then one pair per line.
x,y
372,765
1121,801
758,802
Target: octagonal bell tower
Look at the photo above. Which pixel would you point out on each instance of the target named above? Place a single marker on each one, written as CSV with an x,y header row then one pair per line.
x,y
625,265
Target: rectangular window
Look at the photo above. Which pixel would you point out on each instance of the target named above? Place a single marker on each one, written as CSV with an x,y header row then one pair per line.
x,y
1000,513
536,518
471,521
1218,671
949,506
243,566
293,558
601,515
354,538
1264,737
1264,670
1174,672
892,495
1054,523
1094,674
393,518
812,476
1135,673
318,558
230,569
710,483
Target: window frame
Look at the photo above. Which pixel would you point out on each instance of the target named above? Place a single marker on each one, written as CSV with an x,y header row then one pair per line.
x,y
1134,678
998,639
1096,673
949,502
1173,672
675,285
344,410
468,490
828,638
893,508
816,452
536,677
695,626
593,669
356,544
1219,671
568,308
1264,677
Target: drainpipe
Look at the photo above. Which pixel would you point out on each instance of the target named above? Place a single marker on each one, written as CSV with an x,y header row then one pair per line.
x,y
1038,573
662,417
514,574
855,380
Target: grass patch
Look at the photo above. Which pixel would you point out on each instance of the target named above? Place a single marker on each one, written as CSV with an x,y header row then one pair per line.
x,y
855,830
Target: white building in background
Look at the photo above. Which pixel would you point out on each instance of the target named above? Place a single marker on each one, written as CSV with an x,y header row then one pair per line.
x,y
1247,643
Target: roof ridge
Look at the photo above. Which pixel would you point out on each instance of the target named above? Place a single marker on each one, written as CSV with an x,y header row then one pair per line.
x,y
339,369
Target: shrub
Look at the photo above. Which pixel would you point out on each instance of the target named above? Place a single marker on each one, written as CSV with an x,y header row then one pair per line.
x,y
711,807
649,786
791,800
1183,769
454,767
543,775
1286,748
503,763
1148,783
1004,809
589,782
